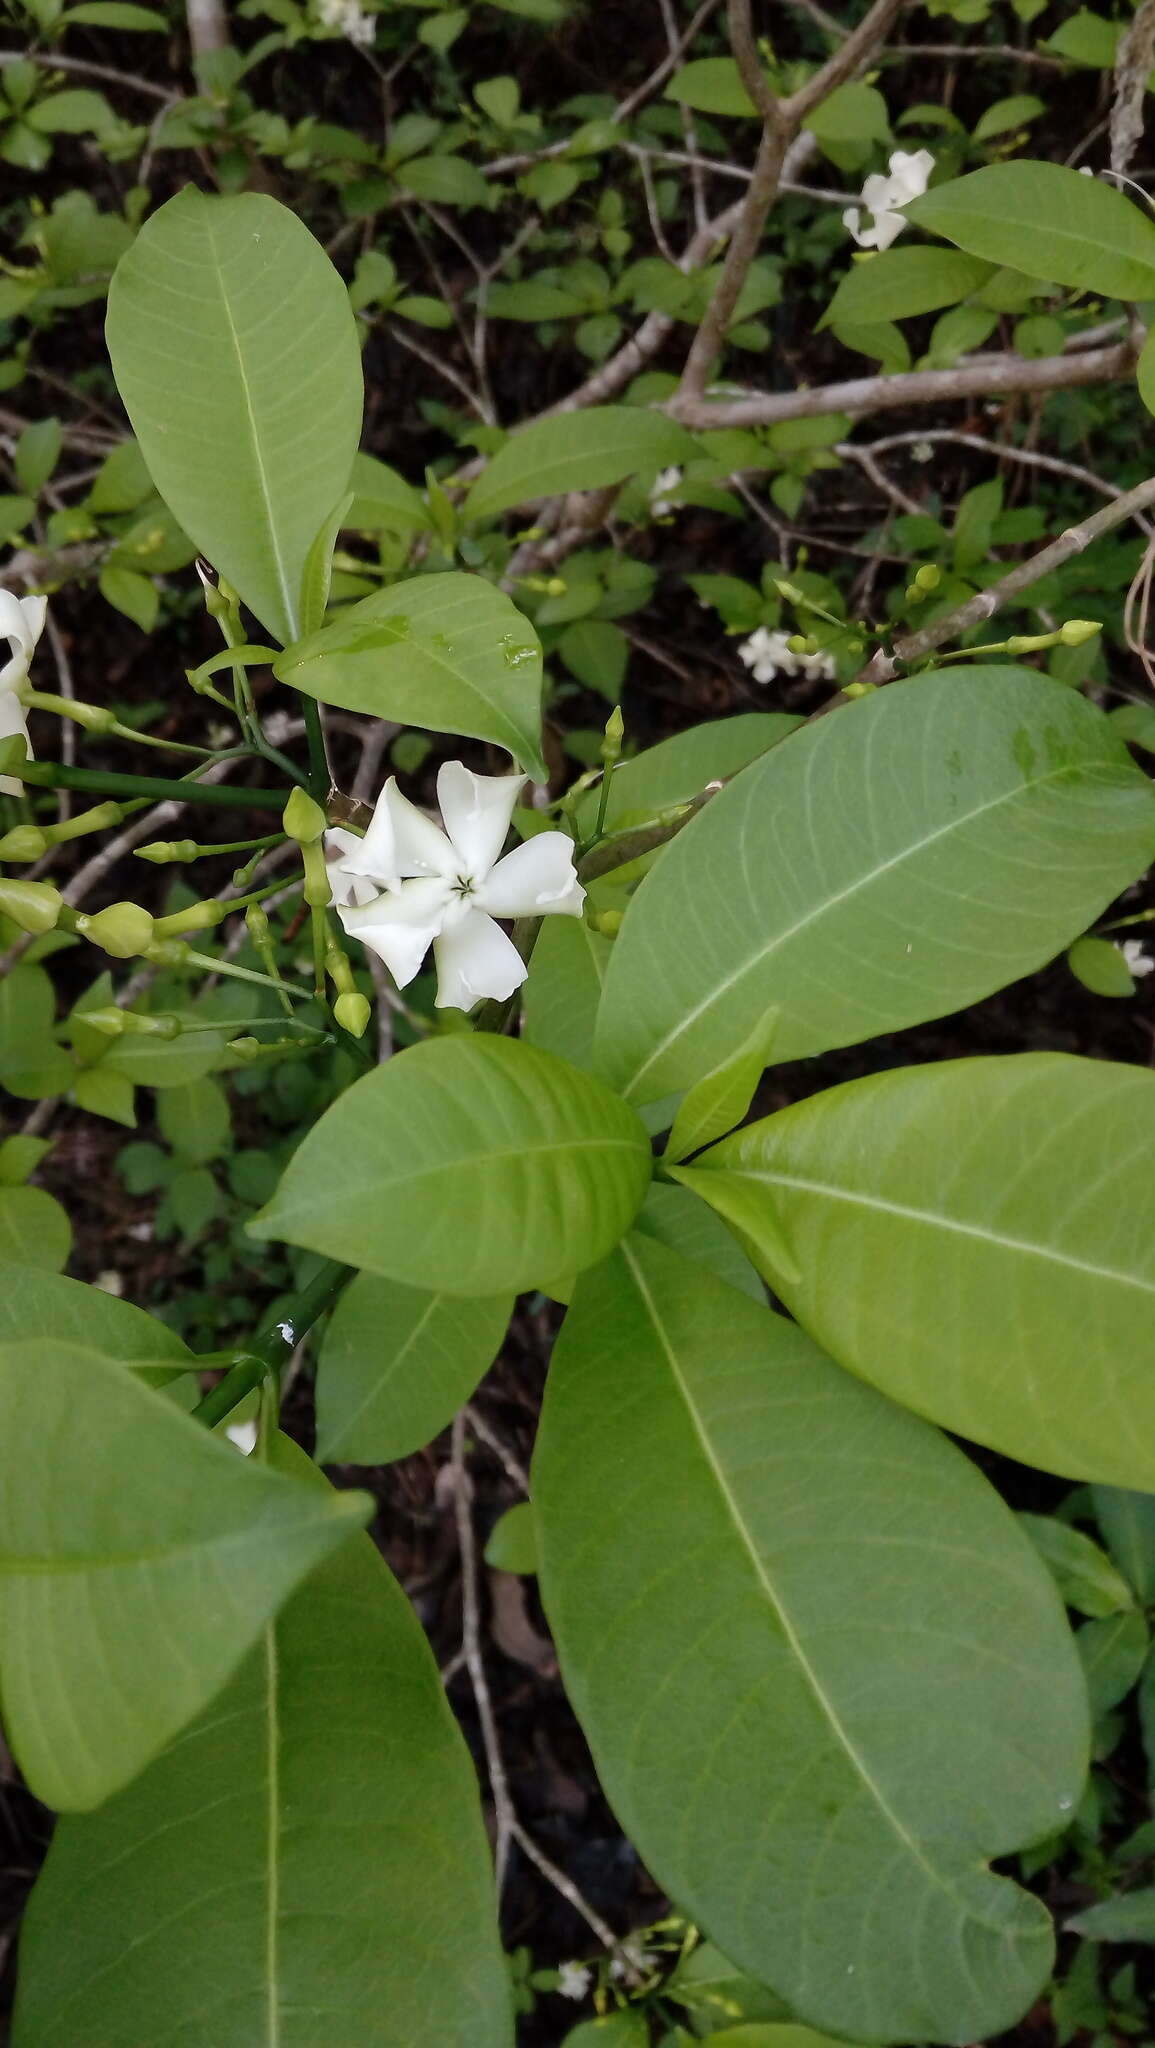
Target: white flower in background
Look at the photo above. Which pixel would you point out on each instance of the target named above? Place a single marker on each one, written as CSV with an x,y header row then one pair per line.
x,y
408,885
361,28
770,654
22,623
244,1436
1139,962
922,451
661,505
883,193
573,1980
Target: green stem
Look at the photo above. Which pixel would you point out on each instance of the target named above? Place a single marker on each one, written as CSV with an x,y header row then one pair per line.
x,y
102,782
274,1345
319,777
235,973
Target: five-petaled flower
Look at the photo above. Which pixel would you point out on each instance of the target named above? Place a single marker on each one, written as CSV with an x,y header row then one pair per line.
x,y
883,193
408,885
769,654
21,622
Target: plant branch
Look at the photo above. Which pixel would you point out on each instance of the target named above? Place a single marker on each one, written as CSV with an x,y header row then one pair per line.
x,y
106,782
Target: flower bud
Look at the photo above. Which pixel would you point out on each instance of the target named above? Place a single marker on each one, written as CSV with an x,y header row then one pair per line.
x,y
247,1049
607,922
352,1012
304,820
556,586
256,918
790,592
34,906
114,1022
167,952
1076,632
928,577
124,930
24,842
611,746
198,917
339,969
318,888
162,851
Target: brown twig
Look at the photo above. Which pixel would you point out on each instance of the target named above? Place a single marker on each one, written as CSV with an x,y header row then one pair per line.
x,y
1133,62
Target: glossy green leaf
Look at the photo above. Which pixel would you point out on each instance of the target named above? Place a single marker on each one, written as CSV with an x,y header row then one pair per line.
x,y
318,1826
36,1304
1084,1574
512,1545
578,451
677,1219
1127,1520
236,355
1049,221
782,1607
565,987
900,283
905,857
978,1239
721,1098
139,1560
446,651
34,1229
396,1364
466,1164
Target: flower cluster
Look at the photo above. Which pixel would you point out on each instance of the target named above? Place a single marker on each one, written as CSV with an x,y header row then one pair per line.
x,y
770,654
351,20
21,623
882,195
408,884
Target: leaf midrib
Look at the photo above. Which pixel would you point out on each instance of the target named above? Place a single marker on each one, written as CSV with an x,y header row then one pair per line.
x,y
825,1705
258,456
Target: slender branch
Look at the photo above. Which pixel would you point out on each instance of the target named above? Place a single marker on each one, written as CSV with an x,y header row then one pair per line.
x,y
105,782
54,61
912,646
1004,450
868,462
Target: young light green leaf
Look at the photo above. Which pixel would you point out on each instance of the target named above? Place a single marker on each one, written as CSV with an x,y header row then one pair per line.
x,y
236,355
466,1165
139,1560
512,1545
978,1239
1083,1573
728,1533
579,451
327,1796
396,1364
901,283
720,1099
693,1230
445,651
1145,371
37,1304
892,863
317,574
1049,221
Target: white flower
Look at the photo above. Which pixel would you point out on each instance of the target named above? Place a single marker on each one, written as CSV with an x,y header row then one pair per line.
x,y
244,1436
573,1981
769,654
922,451
22,623
666,480
883,195
361,28
408,885
1139,962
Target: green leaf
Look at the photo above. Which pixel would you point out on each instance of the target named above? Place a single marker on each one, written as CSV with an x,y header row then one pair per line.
x,y
675,1218
124,1616
325,1799
1145,371
34,1229
770,2035
196,1120
1101,967
104,1092
1113,1652
445,651
1007,114
853,113
564,988
512,1546
317,574
1087,38
680,768
729,1531
236,355
1049,221
1083,1573
36,1304
31,1065
721,1098
470,1165
1128,1523
533,299
36,455
892,863
447,180
1129,1917
598,654
383,499
127,591
116,14
900,283
973,1238
70,113
396,1364
710,85
20,1155
579,451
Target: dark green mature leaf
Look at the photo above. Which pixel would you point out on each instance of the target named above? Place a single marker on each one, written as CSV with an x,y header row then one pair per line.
x,y
36,1304
1048,221
447,651
921,848
783,1607
139,1560
320,1820
235,352
1129,1917
396,1364
466,1165
578,451
978,1239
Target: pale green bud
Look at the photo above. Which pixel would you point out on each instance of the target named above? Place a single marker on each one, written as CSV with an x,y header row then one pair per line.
x,y
607,922
114,1022
318,888
1076,632
34,906
199,917
790,592
24,842
246,1049
163,851
928,577
352,1012
124,930
258,923
304,820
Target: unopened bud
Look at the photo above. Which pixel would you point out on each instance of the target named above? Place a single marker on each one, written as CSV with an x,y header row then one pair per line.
x,y
790,592
802,643
318,888
114,1022
304,820
611,745
109,1022
339,969
607,922
167,952
1076,632
198,917
24,842
246,1049
352,1012
556,586
859,689
162,851
124,930
34,906
928,577
258,923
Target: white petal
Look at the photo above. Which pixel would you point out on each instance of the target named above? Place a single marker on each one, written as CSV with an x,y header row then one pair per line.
x,y
475,959
886,227
13,719
22,621
401,925
852,221
477,810
342,851
877,192
420,846
534,880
